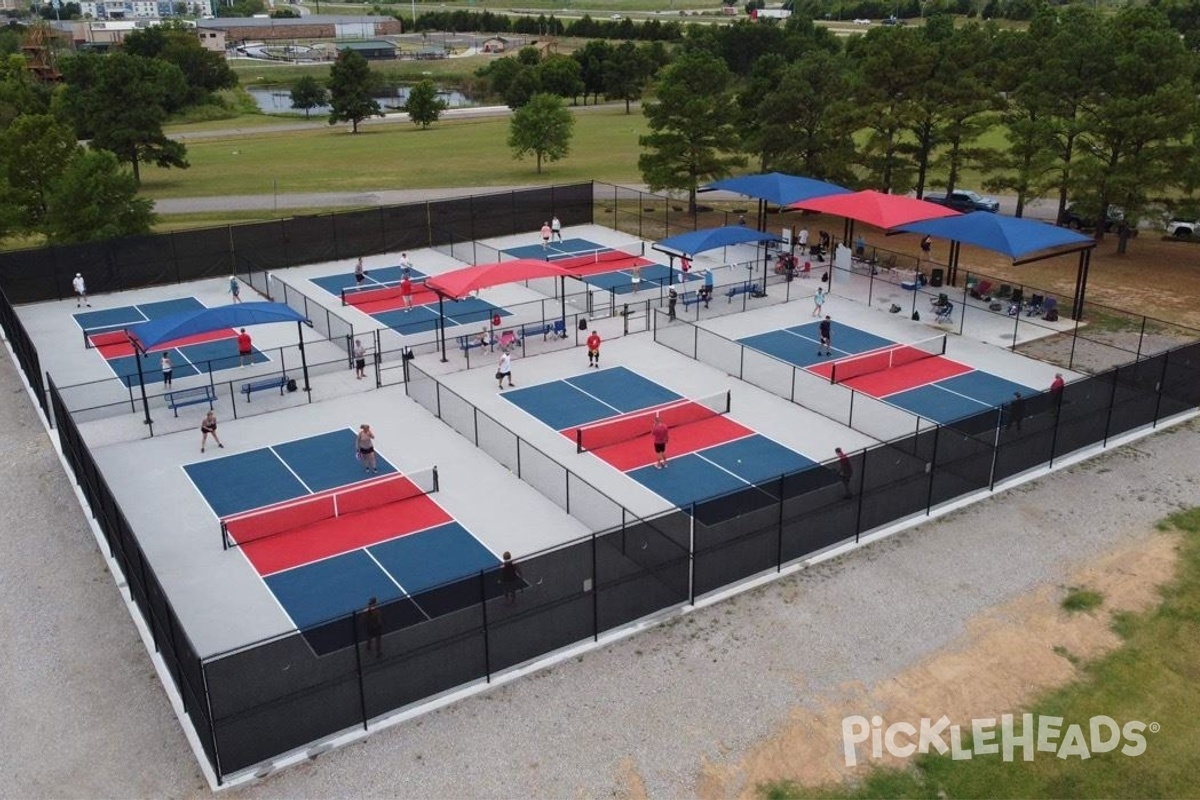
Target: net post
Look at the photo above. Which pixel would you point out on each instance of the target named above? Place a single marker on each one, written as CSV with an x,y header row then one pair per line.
x,y
224,536
945,337
437,481
578,440
343,294
728,400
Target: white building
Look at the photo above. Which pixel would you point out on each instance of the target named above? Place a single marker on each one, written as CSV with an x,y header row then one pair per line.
x,y
144,9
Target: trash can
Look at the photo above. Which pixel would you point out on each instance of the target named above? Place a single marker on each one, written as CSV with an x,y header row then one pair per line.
x,y
937,276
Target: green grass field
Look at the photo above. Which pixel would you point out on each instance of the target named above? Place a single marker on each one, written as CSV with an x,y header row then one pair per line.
x,y
1152,677
395,156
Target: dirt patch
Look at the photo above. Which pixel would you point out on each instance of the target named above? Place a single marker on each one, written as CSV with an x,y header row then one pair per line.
x,y
1007,658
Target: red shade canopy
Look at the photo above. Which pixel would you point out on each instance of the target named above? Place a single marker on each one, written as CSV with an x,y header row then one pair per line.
x,y
461,282
876,208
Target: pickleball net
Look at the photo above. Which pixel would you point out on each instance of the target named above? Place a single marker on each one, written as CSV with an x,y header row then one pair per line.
x,y
609,432
626,255
262,523
889,358
361,295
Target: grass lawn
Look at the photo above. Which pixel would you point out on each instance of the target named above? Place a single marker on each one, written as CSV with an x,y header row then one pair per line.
x,y
1152,677
399,156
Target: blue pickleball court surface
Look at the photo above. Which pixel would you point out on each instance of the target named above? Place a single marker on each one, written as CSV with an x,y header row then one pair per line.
x,y
400,567
110,319
589,397
240,482
958,397
941,401
619,281
798,344
375,278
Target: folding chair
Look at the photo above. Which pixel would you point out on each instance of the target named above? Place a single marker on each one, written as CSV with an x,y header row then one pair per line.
x,y
508,340
982,290
941,300
1003,292
1050,309
1034,306
1016,302
943,312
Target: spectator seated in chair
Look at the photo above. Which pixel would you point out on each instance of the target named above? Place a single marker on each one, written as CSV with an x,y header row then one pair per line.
x,y
943,311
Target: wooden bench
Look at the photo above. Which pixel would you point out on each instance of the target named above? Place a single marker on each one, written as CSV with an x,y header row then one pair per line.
x,y
190,397
745,288
279,383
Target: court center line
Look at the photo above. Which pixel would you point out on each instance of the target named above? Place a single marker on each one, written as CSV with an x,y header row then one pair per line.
x,y
288,467
407,595
620,413
811,341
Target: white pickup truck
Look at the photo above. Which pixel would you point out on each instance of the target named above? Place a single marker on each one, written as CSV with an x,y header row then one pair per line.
x,y
1183,229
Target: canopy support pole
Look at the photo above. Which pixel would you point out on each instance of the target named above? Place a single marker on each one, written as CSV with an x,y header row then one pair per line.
x,y
303,359
1085,260
139,354
442,324
562,298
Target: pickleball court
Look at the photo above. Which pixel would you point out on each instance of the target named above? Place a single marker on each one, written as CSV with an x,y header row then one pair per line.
x,y
104,331
324,535
916,377
608,414
379,296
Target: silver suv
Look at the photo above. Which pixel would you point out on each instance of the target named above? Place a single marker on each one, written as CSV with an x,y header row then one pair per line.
x,y
1182,228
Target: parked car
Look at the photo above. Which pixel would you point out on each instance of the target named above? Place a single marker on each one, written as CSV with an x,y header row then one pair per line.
x,y
965,200
1183,229
1075,217
892,20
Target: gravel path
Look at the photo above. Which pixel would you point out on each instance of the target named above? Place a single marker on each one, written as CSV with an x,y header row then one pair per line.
x,y
85,715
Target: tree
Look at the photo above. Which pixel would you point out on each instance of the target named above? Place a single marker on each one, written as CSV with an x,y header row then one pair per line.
x,y
36,150
626,73
888,75
203,70
543,126
592,57
309,93
524,85
350,90
424,106
19,92
120,102
95,199
692,126
1139,139
560,75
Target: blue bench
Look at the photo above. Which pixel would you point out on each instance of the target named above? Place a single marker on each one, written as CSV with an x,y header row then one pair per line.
x,y
190,397
279,383
557,327
465,343
692,298
745,288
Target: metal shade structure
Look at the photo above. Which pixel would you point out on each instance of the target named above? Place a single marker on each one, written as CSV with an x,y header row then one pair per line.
x,y
695,242
147,335
1013,236
1022,240
876,208
712,238
775,187
460,283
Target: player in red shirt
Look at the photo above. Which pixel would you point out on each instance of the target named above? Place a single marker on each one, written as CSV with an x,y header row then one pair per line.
x,y
245,349
406,292
660,434
593,346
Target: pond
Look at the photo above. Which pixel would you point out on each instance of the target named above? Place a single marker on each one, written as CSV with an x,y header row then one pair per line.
x,y
278,100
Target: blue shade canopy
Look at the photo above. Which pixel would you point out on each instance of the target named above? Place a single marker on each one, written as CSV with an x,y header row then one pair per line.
x,y
189,323
713,238
775,187
1014,237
